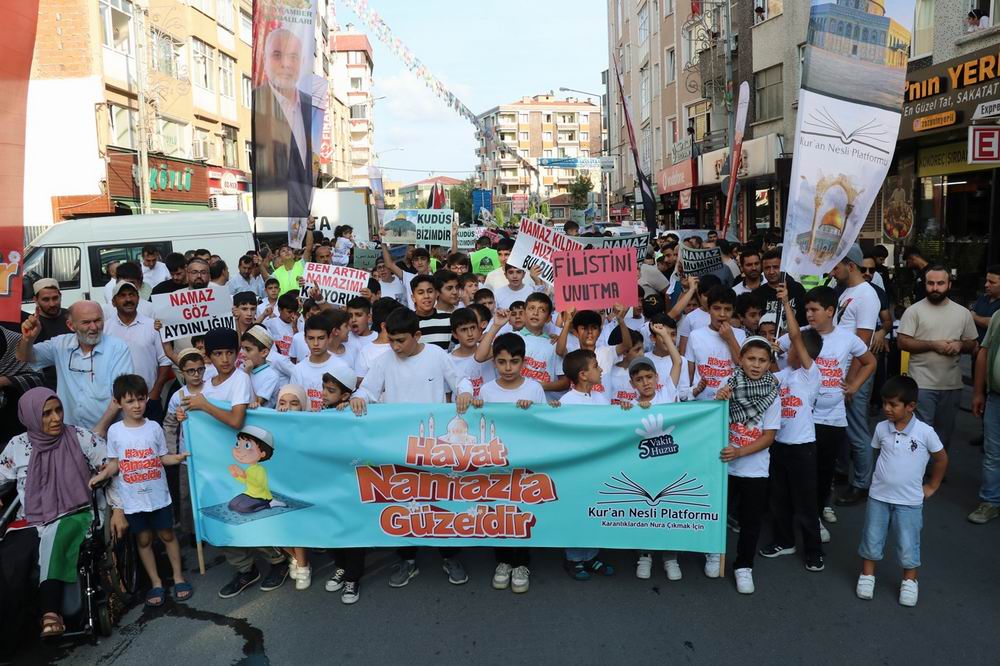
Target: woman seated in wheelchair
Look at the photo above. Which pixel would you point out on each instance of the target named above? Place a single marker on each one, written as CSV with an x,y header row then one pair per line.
x,y
51,465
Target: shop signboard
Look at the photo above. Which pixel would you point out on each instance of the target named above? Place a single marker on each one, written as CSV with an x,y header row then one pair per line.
x,y
680,176
984,144
947,160
950,94
757,160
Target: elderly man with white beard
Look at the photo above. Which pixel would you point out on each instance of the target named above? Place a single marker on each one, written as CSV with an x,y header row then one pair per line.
x,y
87,362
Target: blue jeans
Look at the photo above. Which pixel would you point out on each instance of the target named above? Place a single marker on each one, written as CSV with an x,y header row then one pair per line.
x,y
581,554
905,523
937,408
989,491
860,436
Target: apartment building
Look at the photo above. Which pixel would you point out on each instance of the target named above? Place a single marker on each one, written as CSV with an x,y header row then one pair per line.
x,y
391,192
415,195
351,76
190,60
536,127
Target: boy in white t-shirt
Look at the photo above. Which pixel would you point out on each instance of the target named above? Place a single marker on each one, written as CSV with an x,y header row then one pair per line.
x,y
515,289
283,327
265,379
586,328
793,454
465,329
711,349
269,307
754,419
137,452
663,331
511,387
359,309
380,344
904,445
309,373
413,372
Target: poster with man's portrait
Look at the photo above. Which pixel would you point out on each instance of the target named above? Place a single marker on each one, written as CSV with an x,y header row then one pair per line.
x,y
289,101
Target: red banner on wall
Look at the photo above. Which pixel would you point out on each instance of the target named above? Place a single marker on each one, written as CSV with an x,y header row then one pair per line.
x,y
17,43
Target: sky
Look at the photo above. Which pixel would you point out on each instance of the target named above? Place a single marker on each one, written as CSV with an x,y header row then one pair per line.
x,y
487,53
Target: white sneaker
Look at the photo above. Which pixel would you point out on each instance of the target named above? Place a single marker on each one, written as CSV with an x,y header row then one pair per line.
x,y
908,593
744,581
673,569
829,515
304,578
293,569
866,587
644,567
520,580
712,565
824,534
501,577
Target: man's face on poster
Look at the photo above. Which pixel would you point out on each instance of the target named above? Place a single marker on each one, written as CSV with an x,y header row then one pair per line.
x,y
284,55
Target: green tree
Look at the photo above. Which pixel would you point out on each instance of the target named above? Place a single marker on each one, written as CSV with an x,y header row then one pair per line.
x,y
461,200
532,211
500,216
546,211
579,191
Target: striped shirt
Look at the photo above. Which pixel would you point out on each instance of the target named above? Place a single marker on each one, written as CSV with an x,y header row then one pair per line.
x,y
435,329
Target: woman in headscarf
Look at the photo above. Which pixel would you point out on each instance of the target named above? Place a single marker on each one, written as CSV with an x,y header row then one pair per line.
x,y
15,379
51,465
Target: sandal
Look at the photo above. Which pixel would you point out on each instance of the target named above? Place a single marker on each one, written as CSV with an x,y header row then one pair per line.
x,y
600,567
52,625
577,570
155,593
183,591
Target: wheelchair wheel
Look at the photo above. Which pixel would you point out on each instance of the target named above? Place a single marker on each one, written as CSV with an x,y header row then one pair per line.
x,y
104,622
125,566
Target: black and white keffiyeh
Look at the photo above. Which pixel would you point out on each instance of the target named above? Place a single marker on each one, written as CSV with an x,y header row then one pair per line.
x,y
751,397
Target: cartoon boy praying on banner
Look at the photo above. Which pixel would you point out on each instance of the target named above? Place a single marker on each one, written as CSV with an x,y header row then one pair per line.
x,y
253,446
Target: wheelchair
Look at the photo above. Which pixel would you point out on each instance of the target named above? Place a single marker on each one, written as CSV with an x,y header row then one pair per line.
x,y
107,576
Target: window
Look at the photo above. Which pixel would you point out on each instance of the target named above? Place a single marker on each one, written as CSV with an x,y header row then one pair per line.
x,y
201,146
646,151
546,136
668,7
547,152
584,136
247,92
669,66
203,57
227,80
698,118
771,9
102,255
229,150
355,58
522,118
246,27
171,135
359,112
224,14
355,83
923,29
672,136
166,55
768,94
204,6
802,62
60,263
116,24
584,153
548,118
643,24
248,154
644,93
522,136
123,127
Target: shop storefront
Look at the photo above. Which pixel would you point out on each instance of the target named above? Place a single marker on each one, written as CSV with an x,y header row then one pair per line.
x,y
174,185
934,198
758,205
674,185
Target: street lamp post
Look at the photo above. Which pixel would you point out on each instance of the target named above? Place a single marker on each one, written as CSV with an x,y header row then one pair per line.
x,y
606,186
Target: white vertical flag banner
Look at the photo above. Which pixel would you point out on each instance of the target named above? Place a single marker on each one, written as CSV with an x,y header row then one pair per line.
x,y
848,120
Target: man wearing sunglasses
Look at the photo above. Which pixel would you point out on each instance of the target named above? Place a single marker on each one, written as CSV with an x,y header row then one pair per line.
x,y
87,362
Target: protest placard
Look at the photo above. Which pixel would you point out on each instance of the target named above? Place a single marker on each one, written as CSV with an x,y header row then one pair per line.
x,y
467,237
534,247
595,278
193,312
701,262
638,241
576,476
417,226
365,258
337,284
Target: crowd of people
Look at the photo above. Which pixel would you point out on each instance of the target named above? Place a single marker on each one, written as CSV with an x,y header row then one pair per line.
x,y
99,398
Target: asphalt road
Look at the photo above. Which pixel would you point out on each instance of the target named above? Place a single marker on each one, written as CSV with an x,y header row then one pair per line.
x,y
794,617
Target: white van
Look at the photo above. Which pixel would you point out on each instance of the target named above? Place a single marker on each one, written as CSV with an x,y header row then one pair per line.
x,y
77,252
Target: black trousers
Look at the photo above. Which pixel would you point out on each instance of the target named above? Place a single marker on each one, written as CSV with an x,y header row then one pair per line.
x,y
410,552
352,561
50,596
750,508
793,495
517,556
830,440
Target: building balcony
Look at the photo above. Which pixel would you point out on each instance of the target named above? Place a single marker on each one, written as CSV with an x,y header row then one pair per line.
x,y
567,124
509,180
510,121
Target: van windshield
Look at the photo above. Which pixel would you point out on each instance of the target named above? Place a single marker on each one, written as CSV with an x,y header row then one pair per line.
x,y
34,269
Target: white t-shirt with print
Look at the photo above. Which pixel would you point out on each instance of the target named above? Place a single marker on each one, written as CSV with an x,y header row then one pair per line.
x,y
840,347
902,461
619,386
237,390
692,321
541,362
266,381
858,307
341,252
141,484
754,465
309,376
797,393
281,333
682,391
476,372
712,359
574,397
663,396
529,389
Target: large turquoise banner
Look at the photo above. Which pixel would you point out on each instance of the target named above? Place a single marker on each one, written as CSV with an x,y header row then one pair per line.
x,y
576,476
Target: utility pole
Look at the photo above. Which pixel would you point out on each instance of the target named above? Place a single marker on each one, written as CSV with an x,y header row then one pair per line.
x,y
142,128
